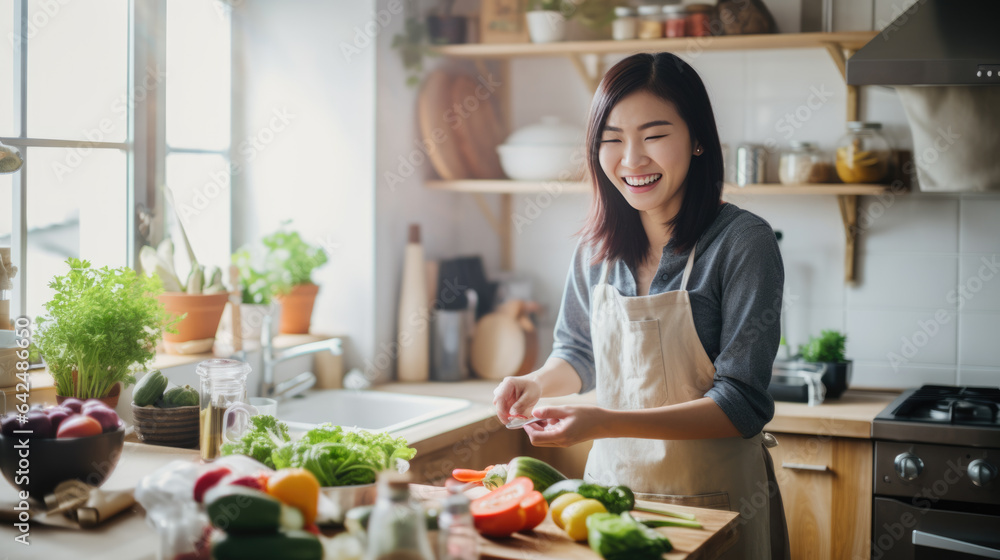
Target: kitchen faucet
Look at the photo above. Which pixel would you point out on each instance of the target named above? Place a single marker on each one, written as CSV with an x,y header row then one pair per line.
x,y
296,385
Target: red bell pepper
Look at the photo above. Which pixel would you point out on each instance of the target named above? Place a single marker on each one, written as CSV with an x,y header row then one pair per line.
x,y
515,506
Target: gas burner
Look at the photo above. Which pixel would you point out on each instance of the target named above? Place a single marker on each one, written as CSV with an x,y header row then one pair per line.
x,y
967,411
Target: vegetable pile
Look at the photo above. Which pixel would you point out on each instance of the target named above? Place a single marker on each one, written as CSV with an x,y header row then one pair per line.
x,y
335,456
72,419
262,516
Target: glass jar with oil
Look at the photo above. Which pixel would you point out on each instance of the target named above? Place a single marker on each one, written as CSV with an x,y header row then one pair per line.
x,y
223,386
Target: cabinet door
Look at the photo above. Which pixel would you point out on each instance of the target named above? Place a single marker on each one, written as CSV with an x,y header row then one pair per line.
x,y
826,486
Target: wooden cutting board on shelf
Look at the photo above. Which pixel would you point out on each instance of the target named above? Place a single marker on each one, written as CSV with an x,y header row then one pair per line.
x,y
549,541
436,116
477,127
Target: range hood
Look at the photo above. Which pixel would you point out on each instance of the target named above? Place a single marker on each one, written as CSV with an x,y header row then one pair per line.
x,y
934,42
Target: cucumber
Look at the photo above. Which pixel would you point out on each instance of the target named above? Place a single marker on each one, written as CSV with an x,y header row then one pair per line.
x,y
238,509
287,545
149,389
180,396
541,473
560,488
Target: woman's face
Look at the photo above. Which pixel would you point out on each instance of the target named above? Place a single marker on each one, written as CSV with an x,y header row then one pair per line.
x,y
645,151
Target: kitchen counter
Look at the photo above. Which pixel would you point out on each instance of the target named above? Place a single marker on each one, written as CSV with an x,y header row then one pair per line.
x,y
128,537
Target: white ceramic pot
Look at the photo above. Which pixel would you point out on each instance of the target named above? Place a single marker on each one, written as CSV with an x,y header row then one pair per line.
x,y
546,26
541,163
545,151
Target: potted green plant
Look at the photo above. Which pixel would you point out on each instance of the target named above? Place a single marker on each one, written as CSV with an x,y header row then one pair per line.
x,y
100,327
199,300
260,281
828,349
290,262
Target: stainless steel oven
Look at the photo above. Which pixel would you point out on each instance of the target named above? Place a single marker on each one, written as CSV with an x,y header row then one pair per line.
x,y
936,487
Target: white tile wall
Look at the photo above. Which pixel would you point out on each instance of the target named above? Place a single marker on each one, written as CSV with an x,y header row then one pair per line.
x,y
904,281
980,339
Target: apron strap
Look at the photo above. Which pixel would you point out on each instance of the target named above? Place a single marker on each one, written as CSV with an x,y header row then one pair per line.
x,y
687,269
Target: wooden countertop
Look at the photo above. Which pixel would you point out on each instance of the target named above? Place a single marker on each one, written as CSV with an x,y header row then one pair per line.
x,y
849,416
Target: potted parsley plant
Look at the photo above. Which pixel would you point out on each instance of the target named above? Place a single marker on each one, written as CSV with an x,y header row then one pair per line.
x,y
100,327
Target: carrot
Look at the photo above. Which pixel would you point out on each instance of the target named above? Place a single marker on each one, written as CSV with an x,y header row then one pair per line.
x,y
469,475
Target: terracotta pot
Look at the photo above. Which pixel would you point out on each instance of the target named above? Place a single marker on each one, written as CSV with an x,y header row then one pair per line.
x,y
203,314
111,399
297,308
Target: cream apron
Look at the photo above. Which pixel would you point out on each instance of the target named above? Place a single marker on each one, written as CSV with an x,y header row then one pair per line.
x,y
648,355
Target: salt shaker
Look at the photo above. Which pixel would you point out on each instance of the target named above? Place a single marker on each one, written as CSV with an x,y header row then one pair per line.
x,y
457,536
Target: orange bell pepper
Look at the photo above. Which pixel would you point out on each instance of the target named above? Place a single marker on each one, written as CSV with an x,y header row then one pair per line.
x,y
297,488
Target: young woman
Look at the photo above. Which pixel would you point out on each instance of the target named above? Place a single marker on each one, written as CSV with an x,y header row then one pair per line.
x,y
670,312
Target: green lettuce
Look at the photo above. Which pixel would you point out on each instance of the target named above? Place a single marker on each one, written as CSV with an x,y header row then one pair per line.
x,y
339,457
265,435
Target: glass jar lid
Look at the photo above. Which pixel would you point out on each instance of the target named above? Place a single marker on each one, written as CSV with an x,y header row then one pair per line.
x,y
625,11
649,10
860,125
805,146
674,11
692,8
223,368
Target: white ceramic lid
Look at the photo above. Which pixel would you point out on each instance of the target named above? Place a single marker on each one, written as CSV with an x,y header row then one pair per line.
x,y
550,131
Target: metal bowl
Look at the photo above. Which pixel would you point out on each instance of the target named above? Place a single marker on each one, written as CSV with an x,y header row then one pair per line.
x,y
339,499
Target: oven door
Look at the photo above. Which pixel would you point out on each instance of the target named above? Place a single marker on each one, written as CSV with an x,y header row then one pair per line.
x,y
901,530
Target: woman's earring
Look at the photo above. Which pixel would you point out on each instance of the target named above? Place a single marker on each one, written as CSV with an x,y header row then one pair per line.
x,y
697,151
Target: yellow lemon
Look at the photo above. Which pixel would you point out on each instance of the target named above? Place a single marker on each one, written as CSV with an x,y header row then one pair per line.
x,y
559,504
574,517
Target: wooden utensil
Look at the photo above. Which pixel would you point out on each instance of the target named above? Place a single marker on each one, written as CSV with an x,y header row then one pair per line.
x,y
505,342
434,113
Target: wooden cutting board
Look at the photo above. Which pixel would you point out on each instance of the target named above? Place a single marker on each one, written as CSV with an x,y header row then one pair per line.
x,y
477,128
436,117
549,541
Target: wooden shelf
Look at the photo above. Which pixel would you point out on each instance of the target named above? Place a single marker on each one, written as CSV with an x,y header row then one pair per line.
x,y
501,186
690,45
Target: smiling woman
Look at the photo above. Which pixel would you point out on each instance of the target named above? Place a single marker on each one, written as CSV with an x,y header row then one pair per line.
x,y
669,313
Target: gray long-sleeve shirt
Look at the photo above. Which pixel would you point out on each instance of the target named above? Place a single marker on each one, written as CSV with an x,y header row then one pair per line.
x,y
735,287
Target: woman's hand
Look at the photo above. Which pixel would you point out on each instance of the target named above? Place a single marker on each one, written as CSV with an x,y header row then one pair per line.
x,y
515,396
567,425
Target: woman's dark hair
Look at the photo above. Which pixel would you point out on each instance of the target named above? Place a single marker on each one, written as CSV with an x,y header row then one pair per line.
x,y
613,227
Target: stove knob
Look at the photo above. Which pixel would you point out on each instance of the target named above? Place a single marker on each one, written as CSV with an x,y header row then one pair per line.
x,y
909,466
982,473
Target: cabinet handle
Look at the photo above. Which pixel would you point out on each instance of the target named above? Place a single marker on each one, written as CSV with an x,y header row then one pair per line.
x,y
805,467
930,540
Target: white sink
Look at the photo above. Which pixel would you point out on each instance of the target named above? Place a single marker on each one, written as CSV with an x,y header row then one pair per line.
x,y
370,410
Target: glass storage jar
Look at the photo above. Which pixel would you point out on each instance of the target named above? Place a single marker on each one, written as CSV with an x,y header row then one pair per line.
x,y
863,154
650,21
698,20
223,387
674,20
626,23
803,163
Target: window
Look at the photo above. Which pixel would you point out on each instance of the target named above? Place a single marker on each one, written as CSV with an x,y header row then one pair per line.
x,y
109,102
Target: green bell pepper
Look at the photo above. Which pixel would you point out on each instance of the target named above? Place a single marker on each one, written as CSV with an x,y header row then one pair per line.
x,y
615,499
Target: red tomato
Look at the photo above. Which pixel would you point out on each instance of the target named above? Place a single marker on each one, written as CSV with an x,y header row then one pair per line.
x,y
499,513
78,426
535,507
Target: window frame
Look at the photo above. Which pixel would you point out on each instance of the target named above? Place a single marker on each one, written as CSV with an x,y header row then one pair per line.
x,y
145,144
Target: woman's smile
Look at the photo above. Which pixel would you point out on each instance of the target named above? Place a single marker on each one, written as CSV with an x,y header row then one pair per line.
x,y
642,183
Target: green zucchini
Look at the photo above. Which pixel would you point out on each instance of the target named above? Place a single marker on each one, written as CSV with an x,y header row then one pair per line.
x,y
560,488
287,545
238,509
541,473
149,389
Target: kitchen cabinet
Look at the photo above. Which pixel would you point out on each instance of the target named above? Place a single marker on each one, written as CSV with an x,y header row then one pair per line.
x,y
587,58
826,487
